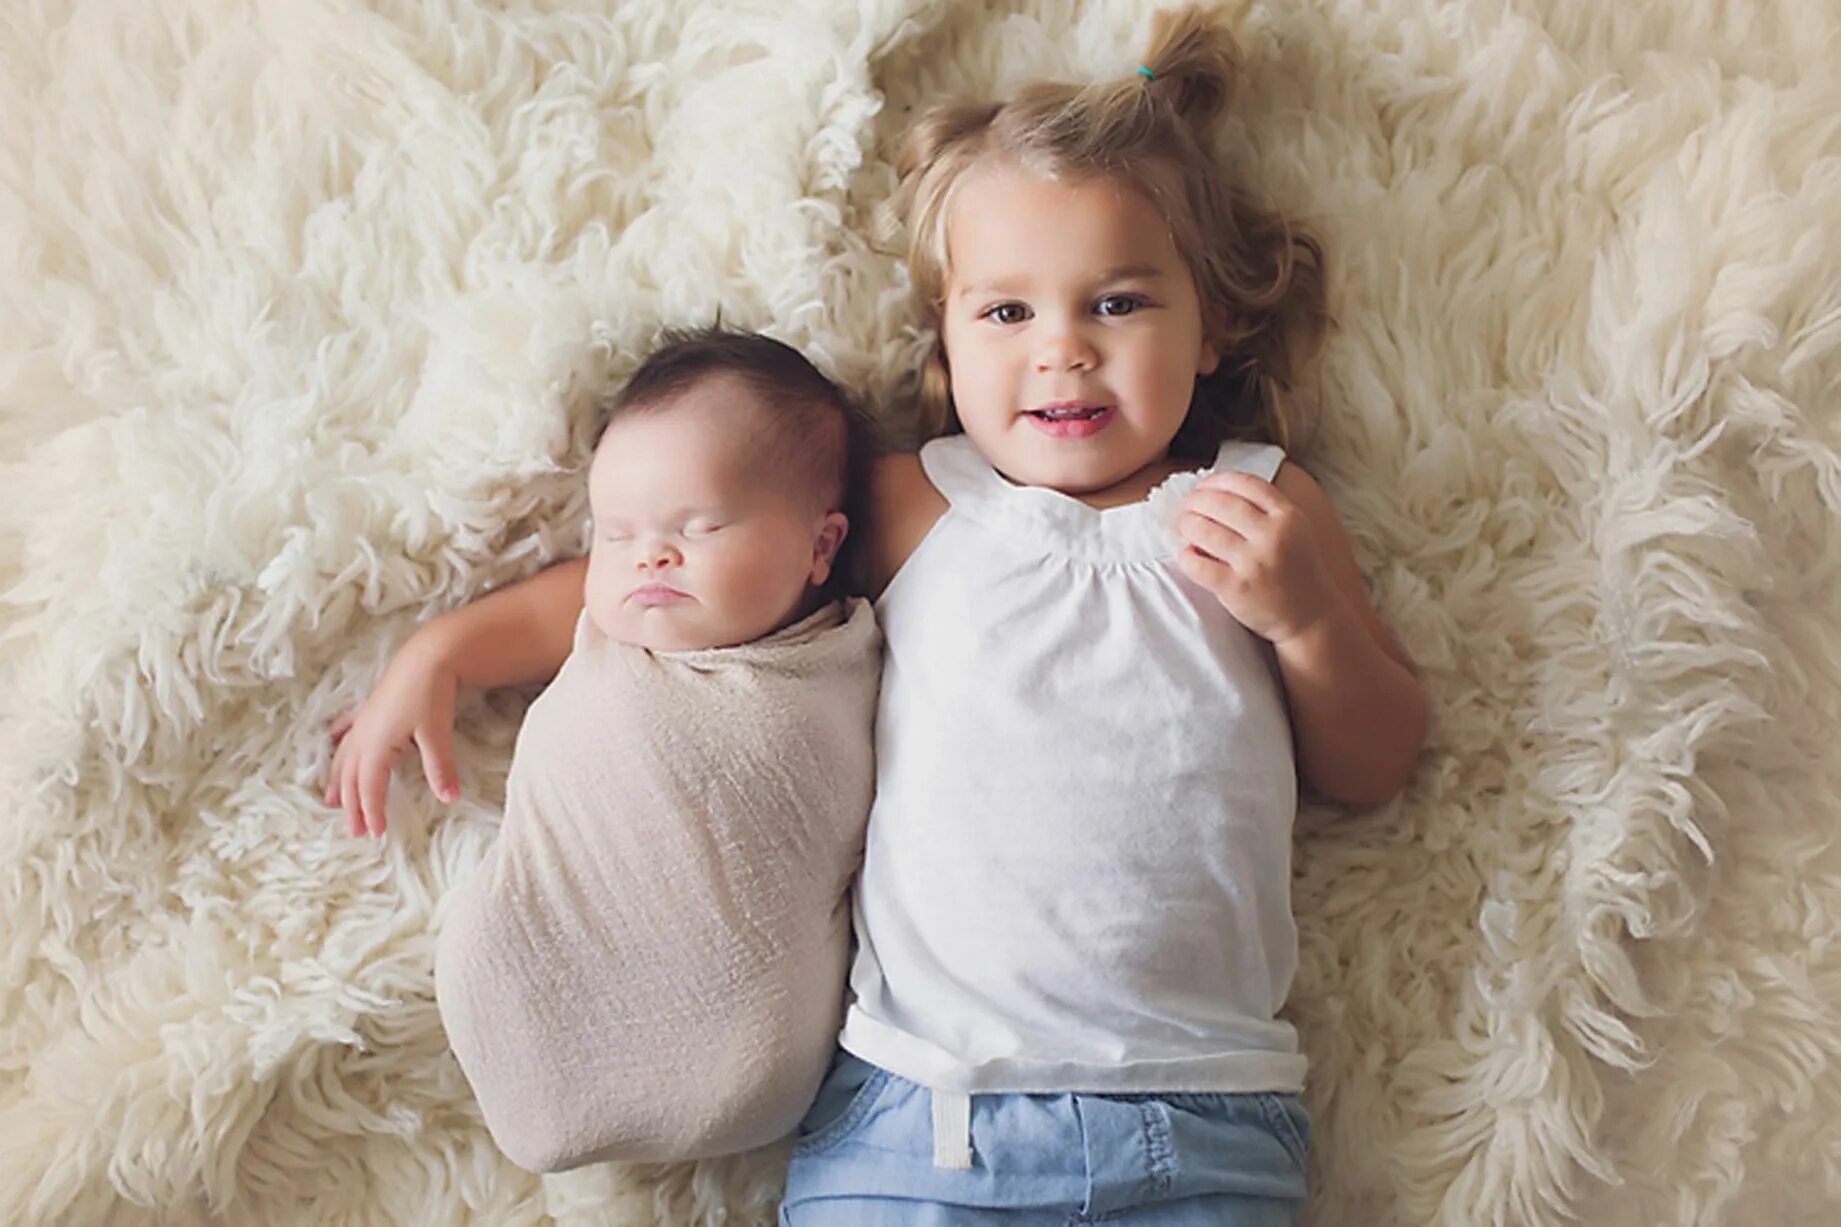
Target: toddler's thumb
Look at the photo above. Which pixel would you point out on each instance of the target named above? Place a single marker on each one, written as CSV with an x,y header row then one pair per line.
x,y
438,765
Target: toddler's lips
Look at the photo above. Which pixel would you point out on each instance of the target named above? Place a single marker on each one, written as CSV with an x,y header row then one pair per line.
x,y
656,594
1071,419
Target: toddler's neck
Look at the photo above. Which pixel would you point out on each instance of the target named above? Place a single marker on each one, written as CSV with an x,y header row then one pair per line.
x,y
1130,489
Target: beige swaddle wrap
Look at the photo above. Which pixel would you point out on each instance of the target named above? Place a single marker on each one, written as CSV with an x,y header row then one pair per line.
x,y
649,962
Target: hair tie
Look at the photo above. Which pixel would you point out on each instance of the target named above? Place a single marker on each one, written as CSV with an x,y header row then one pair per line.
x,y
1148,74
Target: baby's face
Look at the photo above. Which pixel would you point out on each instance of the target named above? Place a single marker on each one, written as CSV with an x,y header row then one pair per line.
x,y
692,548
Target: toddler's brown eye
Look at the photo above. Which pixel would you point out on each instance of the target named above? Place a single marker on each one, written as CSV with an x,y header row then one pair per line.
x,y
1007,313
1121,304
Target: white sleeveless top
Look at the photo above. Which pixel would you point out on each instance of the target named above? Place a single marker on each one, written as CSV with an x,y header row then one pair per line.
x,y
1077,872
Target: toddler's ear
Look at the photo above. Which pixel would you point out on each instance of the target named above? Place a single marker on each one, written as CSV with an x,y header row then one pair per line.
x,y
1214,338
830,538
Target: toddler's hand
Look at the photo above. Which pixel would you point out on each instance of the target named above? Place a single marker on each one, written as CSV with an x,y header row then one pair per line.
x,y
1252,547
412,702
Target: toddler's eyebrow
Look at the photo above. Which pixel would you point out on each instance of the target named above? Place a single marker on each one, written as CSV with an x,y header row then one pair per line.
x,y
1127,272
1124,272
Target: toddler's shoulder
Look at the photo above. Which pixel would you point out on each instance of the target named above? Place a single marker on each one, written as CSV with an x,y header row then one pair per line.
x,y
1295,483
896,474
904,506
1297,489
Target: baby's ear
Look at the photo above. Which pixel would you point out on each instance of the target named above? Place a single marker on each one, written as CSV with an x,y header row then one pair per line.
x,y
831,532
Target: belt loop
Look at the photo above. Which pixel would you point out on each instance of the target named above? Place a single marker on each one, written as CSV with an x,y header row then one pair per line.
x,y
952,1130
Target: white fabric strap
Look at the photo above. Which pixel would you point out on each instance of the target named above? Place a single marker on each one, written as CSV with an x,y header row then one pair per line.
x,y
952,1130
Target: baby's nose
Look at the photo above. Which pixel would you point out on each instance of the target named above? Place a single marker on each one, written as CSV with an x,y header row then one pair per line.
x,y
659,554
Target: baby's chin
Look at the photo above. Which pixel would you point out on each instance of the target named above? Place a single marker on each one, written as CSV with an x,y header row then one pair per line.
x,y
661,631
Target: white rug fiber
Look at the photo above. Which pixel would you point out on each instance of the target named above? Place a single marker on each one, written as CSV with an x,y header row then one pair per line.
x,y
304,304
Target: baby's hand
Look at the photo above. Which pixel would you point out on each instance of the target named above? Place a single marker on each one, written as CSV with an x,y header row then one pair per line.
x,y
413,702
1253,548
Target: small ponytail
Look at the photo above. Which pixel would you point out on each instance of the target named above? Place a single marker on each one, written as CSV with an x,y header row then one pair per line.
x,y
1193,64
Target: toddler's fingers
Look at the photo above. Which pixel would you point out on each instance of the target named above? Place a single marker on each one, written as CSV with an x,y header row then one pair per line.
x,y
341,724
373,786
1211,537
438,763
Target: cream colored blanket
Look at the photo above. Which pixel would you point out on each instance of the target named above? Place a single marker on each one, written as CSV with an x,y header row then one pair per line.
x,y
649,963
305,310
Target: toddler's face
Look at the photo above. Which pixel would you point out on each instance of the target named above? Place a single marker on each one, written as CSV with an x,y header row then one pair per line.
x,y
691,548
1072,328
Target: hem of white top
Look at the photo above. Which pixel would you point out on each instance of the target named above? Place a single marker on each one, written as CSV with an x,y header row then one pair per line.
x,y
1220,1073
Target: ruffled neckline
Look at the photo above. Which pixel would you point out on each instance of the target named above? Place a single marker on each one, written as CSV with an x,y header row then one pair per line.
x,y
1143,531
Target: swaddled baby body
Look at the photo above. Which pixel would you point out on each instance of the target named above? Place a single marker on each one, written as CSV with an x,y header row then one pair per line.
x,y
649,962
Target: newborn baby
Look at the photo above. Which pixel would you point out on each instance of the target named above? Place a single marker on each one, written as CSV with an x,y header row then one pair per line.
x,y
649,962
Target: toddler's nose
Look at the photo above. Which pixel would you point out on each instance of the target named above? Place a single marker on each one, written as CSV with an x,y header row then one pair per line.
x,y
1064,350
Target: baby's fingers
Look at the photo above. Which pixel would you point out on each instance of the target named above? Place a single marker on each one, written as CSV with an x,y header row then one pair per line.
x,y
373,787
335,776
438,763
348,797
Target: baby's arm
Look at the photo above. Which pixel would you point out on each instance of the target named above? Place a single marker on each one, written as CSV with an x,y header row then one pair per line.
x,y
518,635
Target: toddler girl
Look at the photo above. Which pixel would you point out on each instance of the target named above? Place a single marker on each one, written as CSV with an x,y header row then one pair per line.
x,y
1073,918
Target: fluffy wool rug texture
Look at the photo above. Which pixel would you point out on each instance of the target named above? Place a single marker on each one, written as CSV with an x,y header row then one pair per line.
x,y
305,308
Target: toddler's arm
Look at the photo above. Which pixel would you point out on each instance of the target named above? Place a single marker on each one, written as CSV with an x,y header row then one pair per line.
x,y
518,635
903,509
1359,714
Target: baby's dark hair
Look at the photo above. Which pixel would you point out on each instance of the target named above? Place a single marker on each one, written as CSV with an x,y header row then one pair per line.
x,y
816,442
811,440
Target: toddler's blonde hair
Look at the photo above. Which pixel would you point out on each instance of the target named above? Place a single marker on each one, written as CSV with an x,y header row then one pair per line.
x,y
1150,133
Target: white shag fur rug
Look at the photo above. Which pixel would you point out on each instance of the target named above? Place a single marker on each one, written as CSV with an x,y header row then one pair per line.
x,y
303,306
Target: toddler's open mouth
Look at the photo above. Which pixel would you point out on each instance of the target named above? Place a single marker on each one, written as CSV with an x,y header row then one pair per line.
x,y
1071,419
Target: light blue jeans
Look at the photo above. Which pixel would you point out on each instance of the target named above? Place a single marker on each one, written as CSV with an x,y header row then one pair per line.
x,y
865,1156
